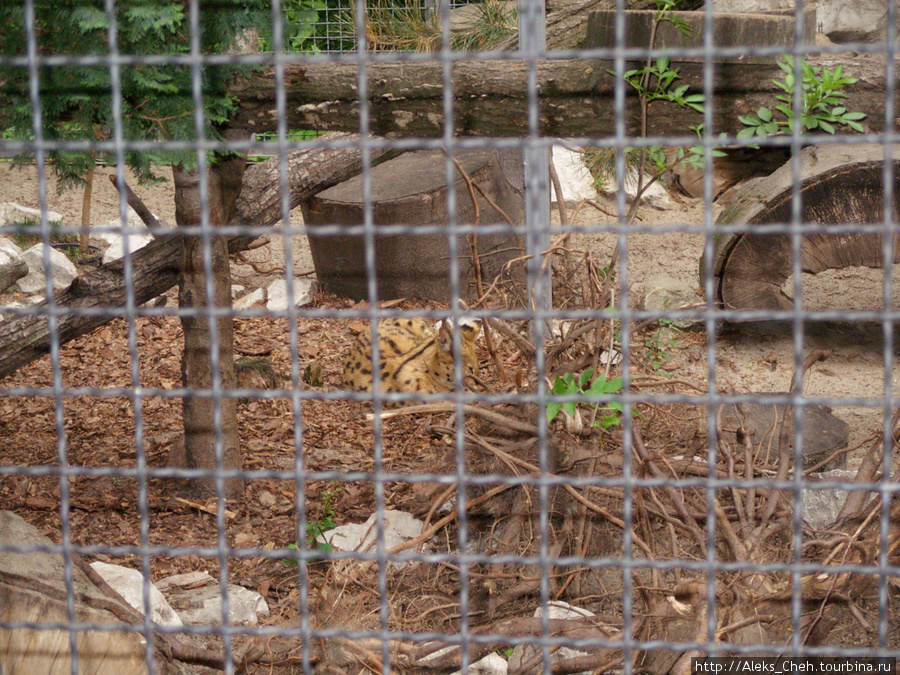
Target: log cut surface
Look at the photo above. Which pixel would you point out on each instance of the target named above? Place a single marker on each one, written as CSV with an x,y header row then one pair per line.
x,y
839,185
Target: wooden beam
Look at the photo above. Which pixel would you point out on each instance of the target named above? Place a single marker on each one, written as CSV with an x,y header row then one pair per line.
x,y
575,97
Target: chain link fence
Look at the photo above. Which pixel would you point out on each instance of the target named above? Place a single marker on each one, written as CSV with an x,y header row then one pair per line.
x,y
578,453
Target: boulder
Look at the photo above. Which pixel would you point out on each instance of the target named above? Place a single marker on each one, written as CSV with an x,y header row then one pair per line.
x,y
129,584
62,270
662,292
304,292
203,605
12,213
556,609
576,181
860,21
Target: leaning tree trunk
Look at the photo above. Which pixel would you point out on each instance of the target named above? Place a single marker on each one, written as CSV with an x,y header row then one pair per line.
x,y
198,362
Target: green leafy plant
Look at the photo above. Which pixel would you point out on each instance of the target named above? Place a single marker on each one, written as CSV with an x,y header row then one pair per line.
x,y
156,100
567,385
316,528
659,343
301,26
656,82
821,103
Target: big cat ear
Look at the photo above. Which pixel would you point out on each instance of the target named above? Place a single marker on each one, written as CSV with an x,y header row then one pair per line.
x,y
444,337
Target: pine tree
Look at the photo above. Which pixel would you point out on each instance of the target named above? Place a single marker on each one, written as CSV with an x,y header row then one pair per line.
x,y
76,89
156,98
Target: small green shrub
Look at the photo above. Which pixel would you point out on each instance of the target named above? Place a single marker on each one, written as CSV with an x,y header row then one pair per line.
x,y
822,103
567,385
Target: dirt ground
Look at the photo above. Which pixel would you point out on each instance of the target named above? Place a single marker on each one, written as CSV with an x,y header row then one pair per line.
x,y
336,436
747,359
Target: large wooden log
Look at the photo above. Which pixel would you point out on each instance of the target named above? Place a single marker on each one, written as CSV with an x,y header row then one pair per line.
x,y
575,97
839,184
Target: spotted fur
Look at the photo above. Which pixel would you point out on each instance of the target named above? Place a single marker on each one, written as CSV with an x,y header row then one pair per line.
x,y
413,357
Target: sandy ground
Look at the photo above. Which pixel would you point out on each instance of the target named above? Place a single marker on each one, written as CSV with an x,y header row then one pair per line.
x,y
747,359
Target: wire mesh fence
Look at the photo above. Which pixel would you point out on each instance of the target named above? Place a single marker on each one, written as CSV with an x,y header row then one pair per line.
x,y
647,430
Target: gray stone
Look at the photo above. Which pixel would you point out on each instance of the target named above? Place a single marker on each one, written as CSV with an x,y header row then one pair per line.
x,y
203,606
556,609
62,270
129,584
860,21
823,433
662,292
841,21
821,507
575,179
304,292
11,213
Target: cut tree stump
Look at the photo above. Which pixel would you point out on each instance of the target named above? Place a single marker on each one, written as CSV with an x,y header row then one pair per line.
x,y
839,185
412,190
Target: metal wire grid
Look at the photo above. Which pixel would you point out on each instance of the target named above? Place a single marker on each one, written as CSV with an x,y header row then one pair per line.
x,y
463,559
328,26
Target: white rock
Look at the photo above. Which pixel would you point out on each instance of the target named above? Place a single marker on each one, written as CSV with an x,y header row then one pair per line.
x,y
11,213
399,527
821,507
129,584
110,230
304,292
62,270
492,664
237,291
116,250
655,195
255,299
9,249
203,606
556,609
574,177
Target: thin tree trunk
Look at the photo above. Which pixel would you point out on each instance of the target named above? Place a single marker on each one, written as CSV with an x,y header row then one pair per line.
x,y
86,209
211,439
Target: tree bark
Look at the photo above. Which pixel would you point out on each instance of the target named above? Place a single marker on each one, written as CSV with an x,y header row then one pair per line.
x,y
490,98
211,439
26,337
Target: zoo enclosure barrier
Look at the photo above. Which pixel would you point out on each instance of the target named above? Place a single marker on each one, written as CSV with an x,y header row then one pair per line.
x,y
664,552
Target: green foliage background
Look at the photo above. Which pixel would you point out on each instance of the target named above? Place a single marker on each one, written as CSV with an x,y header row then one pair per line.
x,y
157,104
